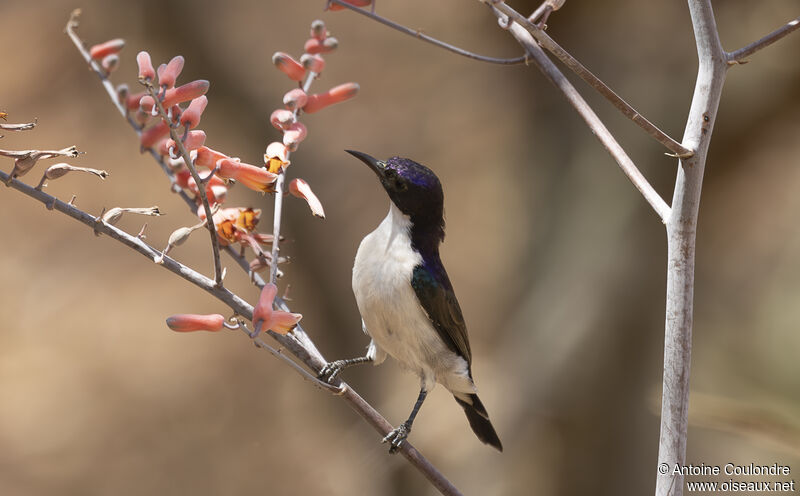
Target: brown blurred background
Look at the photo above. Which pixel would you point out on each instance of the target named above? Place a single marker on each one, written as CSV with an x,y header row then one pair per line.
x,y
557,261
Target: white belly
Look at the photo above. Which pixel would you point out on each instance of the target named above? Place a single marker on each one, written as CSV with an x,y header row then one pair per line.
x,y
393,317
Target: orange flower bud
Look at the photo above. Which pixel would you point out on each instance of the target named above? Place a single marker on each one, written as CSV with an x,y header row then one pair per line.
x,y
153,134
193,141
318,30
191,116
282,118
275,320
188,322
100,51
132,101
188,91
255,178
295,99
334,95
315,45
301,189
294,135
289,66
313,63
110,63
355,3
170,72
146,70
206,157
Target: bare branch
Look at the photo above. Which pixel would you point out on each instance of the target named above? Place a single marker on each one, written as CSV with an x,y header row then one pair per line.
x,y
631,113
18,127
429,39
681,234
558,79
738,56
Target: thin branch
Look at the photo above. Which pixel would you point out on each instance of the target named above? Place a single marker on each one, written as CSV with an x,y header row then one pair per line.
x,y
738,56
309,356
627,110
597,127
429,39
18,127
201,191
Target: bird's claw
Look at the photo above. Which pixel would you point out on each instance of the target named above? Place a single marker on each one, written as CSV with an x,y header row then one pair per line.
x,y
396,437
331,370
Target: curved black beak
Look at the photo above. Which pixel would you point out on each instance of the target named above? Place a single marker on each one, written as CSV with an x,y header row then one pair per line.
x,y
376,165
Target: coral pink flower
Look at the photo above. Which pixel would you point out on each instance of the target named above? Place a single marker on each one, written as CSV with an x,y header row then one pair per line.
x,y
153,134
275,320
334,95
276,157
193,141
295,99
294,135
206,157
132,101
355,3
184,93
110,47
255,178
191,116
315,45
170,72
289,66
282,118
301,189
313,63
188,322
146,70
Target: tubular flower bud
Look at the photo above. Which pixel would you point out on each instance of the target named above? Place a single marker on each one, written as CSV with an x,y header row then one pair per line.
x,y
294,135
132,100
146,70
193,141
188,91
313,63
276,157
289,66
191,116
206,157
282,118
255,178
275,320
170,73
315,46
110,63
153,134
354,3
294,99
188,322
318,30
301,189
110,47
334,95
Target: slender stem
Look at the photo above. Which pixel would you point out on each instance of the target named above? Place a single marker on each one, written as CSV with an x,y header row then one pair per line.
x,y
681,234
429,39
308,355
627,110
278,210
738,56
597,127
201,190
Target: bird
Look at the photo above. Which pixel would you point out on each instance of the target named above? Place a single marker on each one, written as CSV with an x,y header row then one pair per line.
x,y
405,298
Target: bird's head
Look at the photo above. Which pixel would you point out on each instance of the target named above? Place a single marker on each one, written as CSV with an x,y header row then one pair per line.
x,y
412,187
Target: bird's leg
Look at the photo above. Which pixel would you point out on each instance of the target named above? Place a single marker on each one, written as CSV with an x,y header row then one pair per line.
x,y
332,369
399,434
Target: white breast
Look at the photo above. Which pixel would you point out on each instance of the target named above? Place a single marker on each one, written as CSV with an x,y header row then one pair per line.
x,y
391,311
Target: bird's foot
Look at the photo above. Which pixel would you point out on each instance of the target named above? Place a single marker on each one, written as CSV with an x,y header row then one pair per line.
x,y
331,370
397,436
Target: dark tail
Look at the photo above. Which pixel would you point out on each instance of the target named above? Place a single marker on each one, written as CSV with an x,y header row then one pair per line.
x,y
479,421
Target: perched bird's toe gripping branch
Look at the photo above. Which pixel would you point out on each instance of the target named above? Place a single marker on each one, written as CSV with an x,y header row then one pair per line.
x,y
332,369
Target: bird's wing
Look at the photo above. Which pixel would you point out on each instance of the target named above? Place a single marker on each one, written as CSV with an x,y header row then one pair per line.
x,y
437,298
